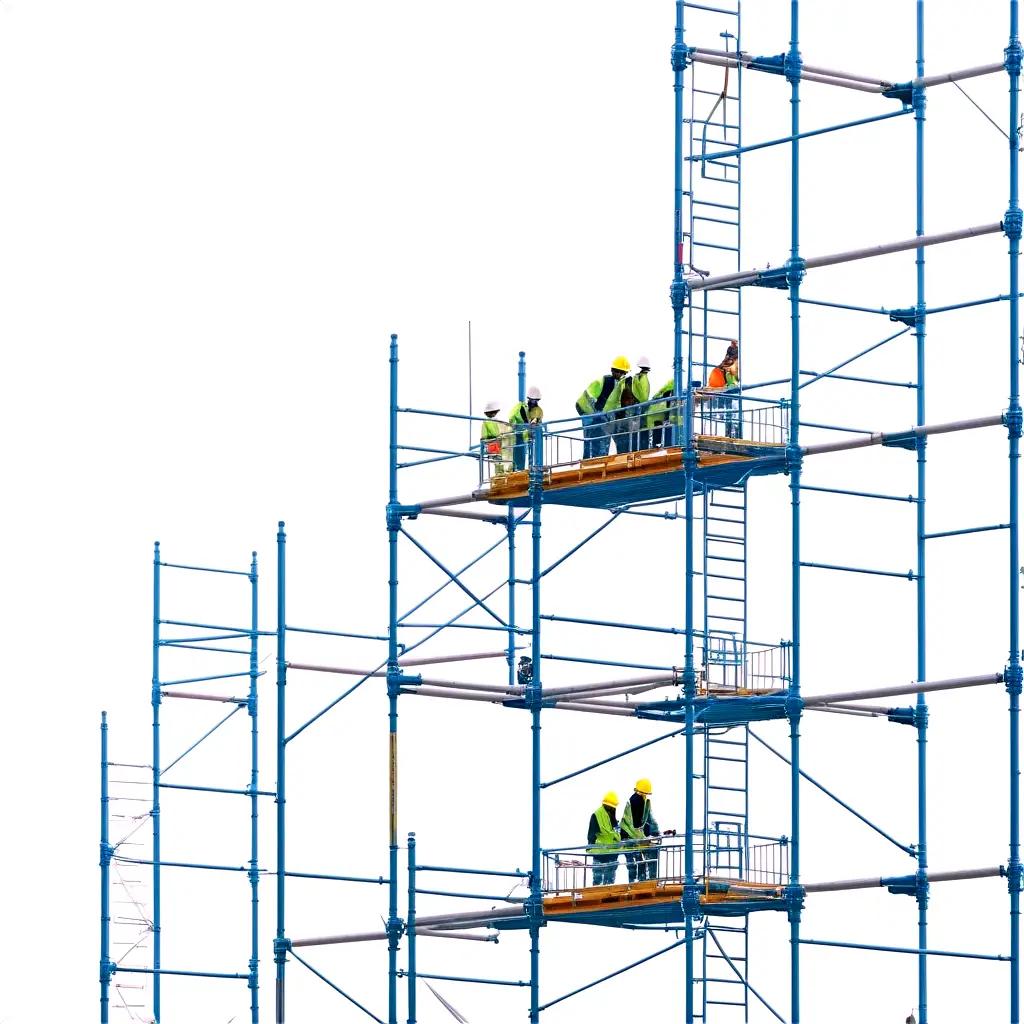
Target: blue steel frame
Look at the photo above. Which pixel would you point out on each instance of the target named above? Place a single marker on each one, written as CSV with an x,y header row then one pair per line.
x,y
692,708
203,637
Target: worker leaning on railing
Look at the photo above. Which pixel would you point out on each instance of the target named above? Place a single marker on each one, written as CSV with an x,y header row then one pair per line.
x,y
637,829
522,415
600,399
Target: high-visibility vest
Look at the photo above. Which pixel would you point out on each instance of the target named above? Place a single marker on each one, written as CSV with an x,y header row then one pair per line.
x,y
588,400
607,838
658,412
719,378
641,386
635,831
522,414
490,435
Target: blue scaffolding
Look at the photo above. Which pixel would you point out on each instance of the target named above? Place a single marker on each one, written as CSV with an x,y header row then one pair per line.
x,y
686,457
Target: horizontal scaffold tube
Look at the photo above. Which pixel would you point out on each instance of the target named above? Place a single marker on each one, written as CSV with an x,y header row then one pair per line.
x,y
923,431
468,918
701,284
719,58
438,659
875,883
434,933
828,76
893,691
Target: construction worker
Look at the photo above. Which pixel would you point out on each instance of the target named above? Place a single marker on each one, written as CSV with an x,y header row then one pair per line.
x,y
658,418
623,419
637,828
724,377
603,840
601,398
492,435
520,418
641,388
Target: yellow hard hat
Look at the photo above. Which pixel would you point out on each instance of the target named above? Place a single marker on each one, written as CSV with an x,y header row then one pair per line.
x,y
620,363
644,786
610,799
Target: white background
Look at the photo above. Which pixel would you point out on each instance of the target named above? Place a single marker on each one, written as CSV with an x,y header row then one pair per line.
x,y
212,215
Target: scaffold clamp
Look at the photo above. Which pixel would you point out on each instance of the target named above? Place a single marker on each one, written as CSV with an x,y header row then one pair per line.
x,y
282,946
691,900
793,895
904,92
1013,876
680,57
1013,420
910,317
395,513
1013,676
1013,54
775,65
679,293
1013,222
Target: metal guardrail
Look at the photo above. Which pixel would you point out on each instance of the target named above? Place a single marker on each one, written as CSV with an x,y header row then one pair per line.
x,y
720,855
732,665
725,415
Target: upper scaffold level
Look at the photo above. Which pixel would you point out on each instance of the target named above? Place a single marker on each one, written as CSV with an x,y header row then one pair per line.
x,y
614,480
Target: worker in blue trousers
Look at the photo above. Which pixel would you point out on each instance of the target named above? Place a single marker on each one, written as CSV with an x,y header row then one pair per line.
x,y
603,843
596,407
521,418
637,829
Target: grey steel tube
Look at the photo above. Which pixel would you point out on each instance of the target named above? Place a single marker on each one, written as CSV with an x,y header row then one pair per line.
x,y
461,499
959,76
466,936
746,61
856,712
661,677
613,691
925,431
697,284
456,514
469,918
816,69
933,876
565,705
201,696
893,691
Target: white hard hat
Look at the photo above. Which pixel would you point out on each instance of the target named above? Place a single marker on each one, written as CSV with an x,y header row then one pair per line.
x,y
534,393
492,406
644,363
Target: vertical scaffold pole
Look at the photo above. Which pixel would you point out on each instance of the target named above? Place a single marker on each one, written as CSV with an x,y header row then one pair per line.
x,y
534,699
394,522
410,925
155,810
254,872
1012,226
104,876
280,942
795,268
680,297
511,528
921,711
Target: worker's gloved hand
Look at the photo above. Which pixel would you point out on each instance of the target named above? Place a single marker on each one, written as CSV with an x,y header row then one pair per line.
x,y
669,832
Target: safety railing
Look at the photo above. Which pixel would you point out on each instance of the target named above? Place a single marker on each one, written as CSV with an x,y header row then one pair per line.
x,y
721,855
732,665
721,419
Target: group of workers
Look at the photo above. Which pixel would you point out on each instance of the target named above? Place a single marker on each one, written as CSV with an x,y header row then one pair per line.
x,y
606,408
633,835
